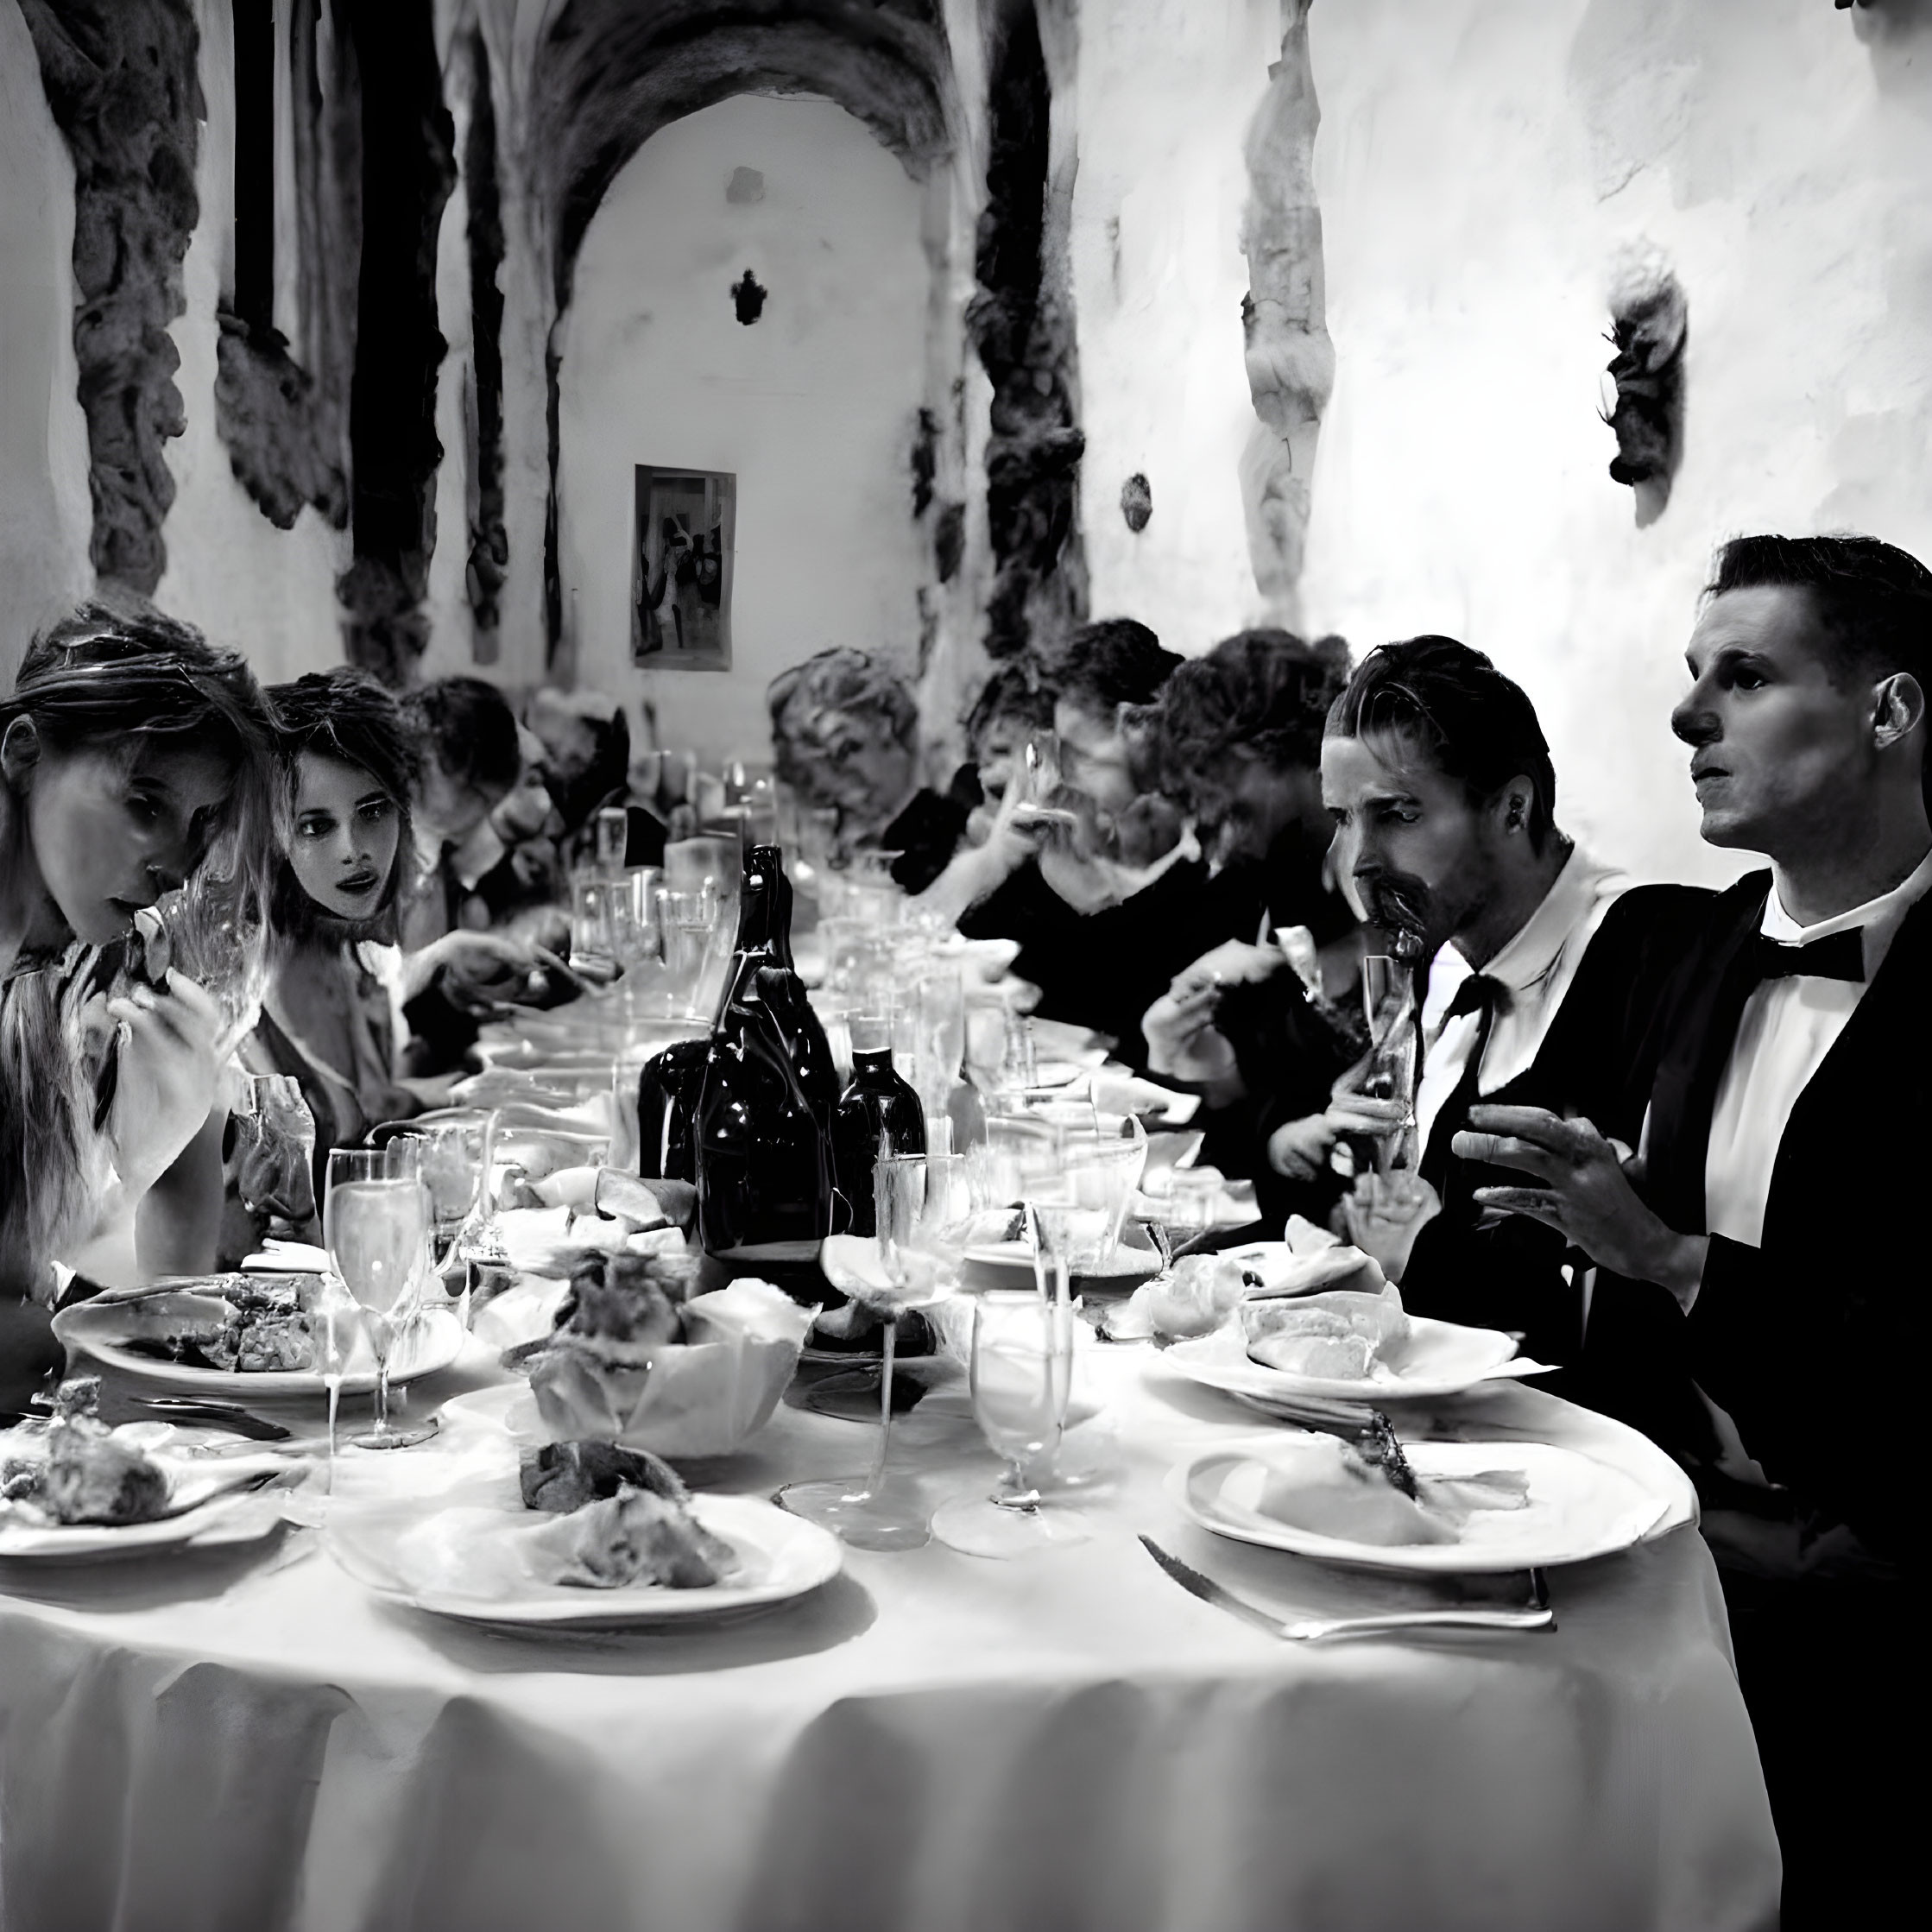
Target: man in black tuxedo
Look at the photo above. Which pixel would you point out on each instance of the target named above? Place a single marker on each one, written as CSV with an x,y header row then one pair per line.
x,y
1440,785
1789,1130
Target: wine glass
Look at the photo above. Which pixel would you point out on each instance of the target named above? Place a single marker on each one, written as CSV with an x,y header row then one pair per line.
x,y
376,1227
449,1160
218,938
1393,1067
1022,1373
274,1153
920,1201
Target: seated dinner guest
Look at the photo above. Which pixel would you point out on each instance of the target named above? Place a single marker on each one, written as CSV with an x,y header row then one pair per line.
x,y
1789,1133
331,1013
131,754
1240,737
1095,880
845,741
1442,794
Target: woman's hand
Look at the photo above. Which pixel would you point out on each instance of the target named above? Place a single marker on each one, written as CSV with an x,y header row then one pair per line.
x,y
1584,1193
167,1077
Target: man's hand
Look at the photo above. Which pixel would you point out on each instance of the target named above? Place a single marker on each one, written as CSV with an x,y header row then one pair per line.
x,y
1384,1214
1584,1194
1301,1149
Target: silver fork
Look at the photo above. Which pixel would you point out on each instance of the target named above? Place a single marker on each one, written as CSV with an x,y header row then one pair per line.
x,y
1537,1616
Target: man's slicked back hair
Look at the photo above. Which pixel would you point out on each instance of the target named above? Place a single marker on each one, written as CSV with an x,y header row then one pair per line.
x,y
1873,601
1452,704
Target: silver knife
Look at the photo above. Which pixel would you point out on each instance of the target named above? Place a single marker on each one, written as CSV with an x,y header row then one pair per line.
x,y
1538,1616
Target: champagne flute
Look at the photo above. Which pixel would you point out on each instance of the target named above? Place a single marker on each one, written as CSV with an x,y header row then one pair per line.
x,y
1022,1373
448,1157
919,1200
376,1227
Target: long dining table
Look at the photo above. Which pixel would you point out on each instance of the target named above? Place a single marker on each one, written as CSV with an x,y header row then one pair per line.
x,y
250,1738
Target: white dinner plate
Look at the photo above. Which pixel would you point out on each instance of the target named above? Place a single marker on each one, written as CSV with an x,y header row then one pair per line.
x,y
1577,1506
1128,1262
470,1561
231,1509
101,1328
1439,1358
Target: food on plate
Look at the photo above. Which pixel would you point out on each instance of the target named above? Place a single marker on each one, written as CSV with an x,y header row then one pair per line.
x,y
1329,1269
560,1477
263,1328
1339,1337
636,1536
1334,1489
1195,1296
87,1474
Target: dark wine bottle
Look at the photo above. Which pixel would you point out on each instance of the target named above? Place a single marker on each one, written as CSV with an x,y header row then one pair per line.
x,y
764,946
765,1188
668,1091
878,1113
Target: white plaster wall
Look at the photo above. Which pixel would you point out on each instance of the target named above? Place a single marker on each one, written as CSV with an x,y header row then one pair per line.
x,y
266,591
1480,161
813,406
44,514
1164,91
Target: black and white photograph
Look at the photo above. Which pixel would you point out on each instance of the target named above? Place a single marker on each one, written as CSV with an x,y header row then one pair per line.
x,y
962,963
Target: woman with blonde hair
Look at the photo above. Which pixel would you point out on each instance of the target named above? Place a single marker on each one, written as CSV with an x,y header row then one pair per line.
x,y
131,754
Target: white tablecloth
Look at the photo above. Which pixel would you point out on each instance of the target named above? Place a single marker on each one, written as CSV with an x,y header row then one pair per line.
x,y
245,1741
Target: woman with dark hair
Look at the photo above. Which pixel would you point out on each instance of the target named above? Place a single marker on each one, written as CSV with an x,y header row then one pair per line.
x,y
131,754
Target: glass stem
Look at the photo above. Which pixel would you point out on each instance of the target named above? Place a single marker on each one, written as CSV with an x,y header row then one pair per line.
x,y
381,1426
878,1475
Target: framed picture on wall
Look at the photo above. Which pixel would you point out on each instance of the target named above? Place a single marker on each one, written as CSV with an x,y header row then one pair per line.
x,y
681,553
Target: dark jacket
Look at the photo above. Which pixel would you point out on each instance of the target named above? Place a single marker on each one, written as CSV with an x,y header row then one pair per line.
x,y
1800,1340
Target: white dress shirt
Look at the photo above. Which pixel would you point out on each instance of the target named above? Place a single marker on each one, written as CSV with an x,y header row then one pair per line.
x,y
1788,1028
1536,966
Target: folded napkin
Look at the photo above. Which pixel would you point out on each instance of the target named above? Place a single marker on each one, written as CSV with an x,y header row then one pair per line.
x,y
277,1257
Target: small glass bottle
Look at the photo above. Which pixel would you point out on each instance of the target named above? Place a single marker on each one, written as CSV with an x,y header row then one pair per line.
x,y
878,1113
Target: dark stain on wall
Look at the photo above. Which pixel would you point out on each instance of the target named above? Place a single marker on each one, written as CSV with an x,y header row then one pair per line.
x,y
747,298
1024,333
489,544
120,77
408,170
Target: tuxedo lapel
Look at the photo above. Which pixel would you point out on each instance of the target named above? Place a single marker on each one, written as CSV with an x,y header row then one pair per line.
x,y
1704,1025
1873,1082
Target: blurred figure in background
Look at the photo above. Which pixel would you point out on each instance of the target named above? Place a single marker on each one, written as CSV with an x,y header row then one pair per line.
x,y
586,765
1010,713
469,759
1262,1027
1086,865
845,738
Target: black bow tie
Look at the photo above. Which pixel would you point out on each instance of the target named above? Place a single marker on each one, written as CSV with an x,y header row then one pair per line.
x,y
1479,994
1838,956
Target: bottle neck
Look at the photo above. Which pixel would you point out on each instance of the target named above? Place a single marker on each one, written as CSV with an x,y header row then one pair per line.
x,y
765,908
873,1066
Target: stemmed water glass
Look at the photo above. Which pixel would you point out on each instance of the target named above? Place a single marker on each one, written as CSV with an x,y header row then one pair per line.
x,y
376,1227
919,1203
1022,1376
451,1158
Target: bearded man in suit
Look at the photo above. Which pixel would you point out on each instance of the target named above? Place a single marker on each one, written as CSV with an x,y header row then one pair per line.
x,y
1790,1128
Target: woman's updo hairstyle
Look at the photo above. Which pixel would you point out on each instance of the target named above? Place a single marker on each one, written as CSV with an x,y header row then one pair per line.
x,y
346,715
